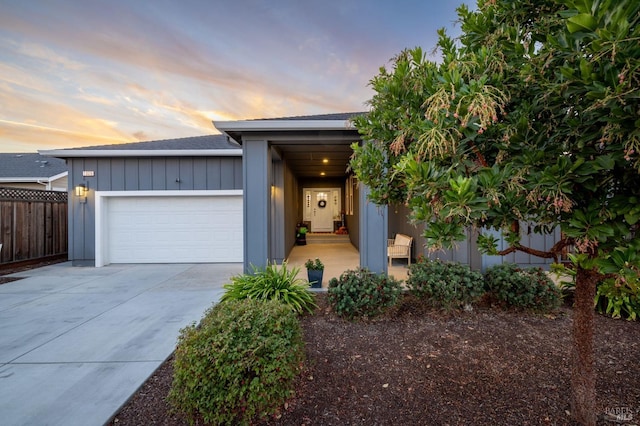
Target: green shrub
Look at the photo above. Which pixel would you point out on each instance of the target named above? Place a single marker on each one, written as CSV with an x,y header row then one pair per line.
x,y
362,293
528,288
272,283
239,364
445,284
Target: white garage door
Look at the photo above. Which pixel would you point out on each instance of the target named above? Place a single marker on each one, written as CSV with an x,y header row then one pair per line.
x,y
174,229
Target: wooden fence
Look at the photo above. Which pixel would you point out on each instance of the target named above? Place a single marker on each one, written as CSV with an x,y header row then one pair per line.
x,y
33,224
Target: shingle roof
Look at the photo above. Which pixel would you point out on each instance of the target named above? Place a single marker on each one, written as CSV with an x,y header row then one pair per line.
x,y
194,142
30,165
208,142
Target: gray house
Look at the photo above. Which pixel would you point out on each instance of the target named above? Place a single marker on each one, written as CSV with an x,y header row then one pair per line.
x,y
234,197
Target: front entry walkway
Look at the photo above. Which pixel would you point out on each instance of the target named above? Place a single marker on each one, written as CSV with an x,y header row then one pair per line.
x,y
337,258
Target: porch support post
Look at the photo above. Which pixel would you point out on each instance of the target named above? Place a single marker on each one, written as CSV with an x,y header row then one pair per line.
x,y
374,225
256,170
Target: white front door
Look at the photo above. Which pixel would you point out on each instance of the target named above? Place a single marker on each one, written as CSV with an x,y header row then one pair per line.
x,y
322,211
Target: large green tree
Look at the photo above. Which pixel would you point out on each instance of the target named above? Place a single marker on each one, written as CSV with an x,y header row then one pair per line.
x,y
531,116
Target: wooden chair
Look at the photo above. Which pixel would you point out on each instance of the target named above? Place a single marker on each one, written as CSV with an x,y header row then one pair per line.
x,y
399,248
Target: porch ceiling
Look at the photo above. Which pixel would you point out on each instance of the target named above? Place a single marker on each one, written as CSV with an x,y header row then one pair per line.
x,y
304,144
311,160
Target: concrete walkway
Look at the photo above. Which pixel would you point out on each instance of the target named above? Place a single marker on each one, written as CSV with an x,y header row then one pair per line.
x,y
76,343
336,258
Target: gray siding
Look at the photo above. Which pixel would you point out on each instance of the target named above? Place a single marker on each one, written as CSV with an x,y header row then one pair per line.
x,y
467,251
462,252
158,174
139,174
529,239
374,224
257,172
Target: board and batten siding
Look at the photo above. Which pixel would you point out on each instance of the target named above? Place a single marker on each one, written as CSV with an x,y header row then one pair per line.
x,y
538,241
139,174
467,252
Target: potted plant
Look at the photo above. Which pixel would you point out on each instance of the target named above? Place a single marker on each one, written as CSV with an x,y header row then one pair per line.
x,y
301,235
315,269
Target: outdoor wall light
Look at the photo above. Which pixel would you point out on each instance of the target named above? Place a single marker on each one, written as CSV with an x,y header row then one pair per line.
x,y
81,192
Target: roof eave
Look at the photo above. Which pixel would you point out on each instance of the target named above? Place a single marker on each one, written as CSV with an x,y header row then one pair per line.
x,y
282,125
58,176
75,153
24,179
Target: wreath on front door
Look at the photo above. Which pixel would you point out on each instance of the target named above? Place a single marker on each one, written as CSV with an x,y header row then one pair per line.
x,y
322,204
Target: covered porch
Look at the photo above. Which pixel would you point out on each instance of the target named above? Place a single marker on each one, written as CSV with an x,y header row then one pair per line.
x,y
295,170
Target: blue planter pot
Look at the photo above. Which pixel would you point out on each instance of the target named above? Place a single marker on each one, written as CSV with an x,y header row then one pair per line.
x,y
315,277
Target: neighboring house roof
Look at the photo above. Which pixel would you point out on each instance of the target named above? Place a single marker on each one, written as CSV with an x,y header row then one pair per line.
x,y
30,167
191,146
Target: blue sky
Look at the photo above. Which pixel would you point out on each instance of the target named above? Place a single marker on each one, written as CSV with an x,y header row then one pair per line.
x,y
83,72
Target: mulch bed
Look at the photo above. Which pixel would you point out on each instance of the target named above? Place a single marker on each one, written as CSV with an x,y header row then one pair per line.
x,y
419,366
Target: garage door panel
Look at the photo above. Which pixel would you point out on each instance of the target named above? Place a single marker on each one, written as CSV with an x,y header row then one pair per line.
x,y
174,229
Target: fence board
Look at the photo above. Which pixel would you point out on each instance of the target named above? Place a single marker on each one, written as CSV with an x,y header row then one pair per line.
x,y
33,224
21,230
6,238
48,228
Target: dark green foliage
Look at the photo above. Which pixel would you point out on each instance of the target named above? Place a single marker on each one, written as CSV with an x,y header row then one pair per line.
x,y
618,295
619,299
314,265
528,288
272,283
362,293
239,364
445,284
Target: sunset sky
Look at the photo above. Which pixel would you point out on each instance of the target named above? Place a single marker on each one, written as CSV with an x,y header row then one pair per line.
x,y
83,72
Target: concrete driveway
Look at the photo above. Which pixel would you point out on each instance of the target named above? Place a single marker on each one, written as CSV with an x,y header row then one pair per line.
x,y
77,342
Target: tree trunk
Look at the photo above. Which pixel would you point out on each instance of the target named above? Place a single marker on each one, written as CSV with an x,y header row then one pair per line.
x,y
583,378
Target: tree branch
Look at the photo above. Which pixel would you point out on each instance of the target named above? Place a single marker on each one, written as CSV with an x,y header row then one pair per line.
x,y
553,253
479,155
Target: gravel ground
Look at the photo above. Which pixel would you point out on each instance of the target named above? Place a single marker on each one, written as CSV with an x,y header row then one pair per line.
x,y
417,366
